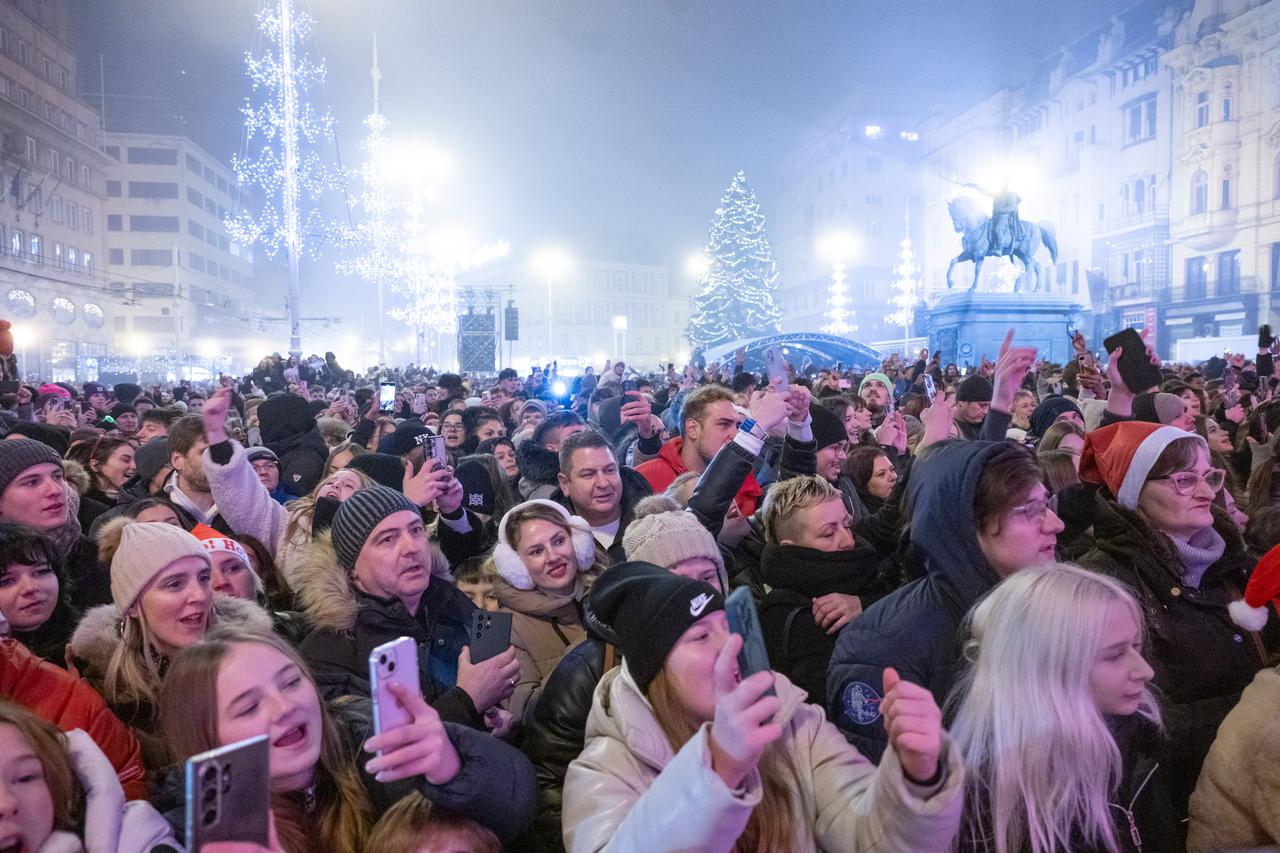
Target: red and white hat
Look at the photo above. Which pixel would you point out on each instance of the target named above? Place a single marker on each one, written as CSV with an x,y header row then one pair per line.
x,y
1251,612
1121,456
214,542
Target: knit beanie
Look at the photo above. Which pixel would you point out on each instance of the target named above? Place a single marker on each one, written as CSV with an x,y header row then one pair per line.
x,y
1157,407
974,389
150,458
827,427
57,437
384,469
359,515
146,549
127,392
875,377
649,608
668,536
1048,411
17,456
1121,456
215,542
477,490
1251,612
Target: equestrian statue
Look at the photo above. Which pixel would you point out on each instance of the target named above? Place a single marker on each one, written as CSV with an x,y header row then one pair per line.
x,y
1002,234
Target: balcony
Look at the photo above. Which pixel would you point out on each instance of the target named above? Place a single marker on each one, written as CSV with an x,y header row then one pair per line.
x,y
1152,215
1205,232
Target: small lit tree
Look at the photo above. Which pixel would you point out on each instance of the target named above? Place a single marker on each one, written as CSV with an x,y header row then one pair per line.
x,y
906,287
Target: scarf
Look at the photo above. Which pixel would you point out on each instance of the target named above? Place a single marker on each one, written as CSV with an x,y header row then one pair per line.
x,y
1198,553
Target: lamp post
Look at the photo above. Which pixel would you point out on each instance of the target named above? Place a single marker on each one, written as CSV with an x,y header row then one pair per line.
x,y
551,261
620,328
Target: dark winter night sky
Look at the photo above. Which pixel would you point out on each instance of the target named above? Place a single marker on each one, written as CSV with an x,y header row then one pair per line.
x,y
609,126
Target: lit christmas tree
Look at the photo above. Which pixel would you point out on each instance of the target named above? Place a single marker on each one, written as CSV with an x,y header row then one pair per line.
x,y
288,168
906,286
838,246
737,300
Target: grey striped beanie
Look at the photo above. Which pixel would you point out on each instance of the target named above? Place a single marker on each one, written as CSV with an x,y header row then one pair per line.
x,y
359,515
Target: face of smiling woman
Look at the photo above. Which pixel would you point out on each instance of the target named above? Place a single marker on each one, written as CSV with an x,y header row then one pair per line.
x,y
175,605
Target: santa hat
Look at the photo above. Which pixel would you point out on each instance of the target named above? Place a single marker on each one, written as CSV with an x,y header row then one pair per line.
x,y
1251,612
214,542
1121,456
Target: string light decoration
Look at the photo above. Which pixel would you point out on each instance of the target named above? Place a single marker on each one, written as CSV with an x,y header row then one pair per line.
x,y
839,246
287,169
739,296
905,286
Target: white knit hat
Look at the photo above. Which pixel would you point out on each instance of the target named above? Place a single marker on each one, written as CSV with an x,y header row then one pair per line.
x,y
146,549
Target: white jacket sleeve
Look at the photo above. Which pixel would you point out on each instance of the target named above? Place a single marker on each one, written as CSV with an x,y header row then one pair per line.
x,y
243,501
686,808
111,824
862,808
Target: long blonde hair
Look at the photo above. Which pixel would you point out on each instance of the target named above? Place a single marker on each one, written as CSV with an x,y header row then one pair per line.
x,y
769,829
189,721
1043,763
297,530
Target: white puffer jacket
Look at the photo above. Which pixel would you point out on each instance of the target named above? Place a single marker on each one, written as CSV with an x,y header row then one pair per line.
x,y
627,792
246,505
112,825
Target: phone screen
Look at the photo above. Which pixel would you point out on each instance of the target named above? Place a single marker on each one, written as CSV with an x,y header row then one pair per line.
x,y
387,397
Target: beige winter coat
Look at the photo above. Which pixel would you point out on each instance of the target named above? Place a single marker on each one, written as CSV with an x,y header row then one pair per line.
x,y
628,793
544,626
1237,800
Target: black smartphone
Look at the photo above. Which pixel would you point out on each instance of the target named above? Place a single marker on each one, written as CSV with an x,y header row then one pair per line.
x,y
387,397
1137,371
490,634
740,608
228,794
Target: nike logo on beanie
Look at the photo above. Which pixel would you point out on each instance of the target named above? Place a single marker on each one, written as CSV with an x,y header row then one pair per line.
x,y
699,604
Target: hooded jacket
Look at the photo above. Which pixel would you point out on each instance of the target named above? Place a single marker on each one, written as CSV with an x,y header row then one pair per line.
x,y
634,489
1202,660
350,623
543,627
1236,804
539,471
629,791
60,698
663,471
290,432
916,629
798,646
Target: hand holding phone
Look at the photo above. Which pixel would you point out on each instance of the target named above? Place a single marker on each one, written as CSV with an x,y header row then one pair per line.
x,y
744,725
387,397
740,609
390,664
419,747
930,389
490,634
1135,368
776,368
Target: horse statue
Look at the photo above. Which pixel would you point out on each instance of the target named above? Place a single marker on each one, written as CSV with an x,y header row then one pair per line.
x,y
1022,241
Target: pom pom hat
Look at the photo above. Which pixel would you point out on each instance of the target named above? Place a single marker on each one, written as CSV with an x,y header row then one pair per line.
x,y
1264,585
1121,456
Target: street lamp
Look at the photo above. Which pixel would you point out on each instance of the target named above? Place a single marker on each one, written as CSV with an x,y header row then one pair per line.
x,y
838,246
697,265
551,261
620,327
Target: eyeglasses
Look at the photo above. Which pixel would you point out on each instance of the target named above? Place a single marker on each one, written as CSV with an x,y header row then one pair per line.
x,y
1035,511
448,427
1186,482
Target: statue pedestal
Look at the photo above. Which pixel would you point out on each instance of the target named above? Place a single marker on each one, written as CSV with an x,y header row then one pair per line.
x,y
966,326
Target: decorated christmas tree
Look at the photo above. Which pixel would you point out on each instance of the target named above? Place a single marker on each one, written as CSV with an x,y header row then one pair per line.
x,y
737,299
906,286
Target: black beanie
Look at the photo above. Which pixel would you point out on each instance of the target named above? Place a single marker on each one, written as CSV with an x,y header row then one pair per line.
x,y
649,608
383,468
827,426
1048,411
974,389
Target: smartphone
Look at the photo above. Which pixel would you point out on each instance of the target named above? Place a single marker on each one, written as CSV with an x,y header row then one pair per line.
x,y
775,367
930,390
419,403
387,397
229,793
740,608
433,448
1137,371
395,662
490,634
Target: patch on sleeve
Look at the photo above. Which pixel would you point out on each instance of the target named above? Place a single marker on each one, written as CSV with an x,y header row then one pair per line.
x,y
861,703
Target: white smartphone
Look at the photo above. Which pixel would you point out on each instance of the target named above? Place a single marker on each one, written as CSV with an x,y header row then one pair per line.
x,y
395,662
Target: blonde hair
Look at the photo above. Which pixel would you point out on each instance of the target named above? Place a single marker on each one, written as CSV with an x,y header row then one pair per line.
x,y
1052,438
1042,761
412,823
297,530
787,498
541,512
189,720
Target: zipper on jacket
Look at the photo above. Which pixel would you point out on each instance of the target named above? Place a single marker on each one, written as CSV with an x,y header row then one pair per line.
x,y
1134,835
555,626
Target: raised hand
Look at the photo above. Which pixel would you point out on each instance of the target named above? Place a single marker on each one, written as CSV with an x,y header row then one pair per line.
x,y
638,411
769,408
427,485
1011,368
743,726
914,724
214,415
418,748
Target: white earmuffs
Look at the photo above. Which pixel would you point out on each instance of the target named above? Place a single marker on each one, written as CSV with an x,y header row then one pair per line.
x,y
512,568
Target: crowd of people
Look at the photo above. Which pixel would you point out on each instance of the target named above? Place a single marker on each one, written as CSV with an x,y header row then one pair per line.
x,y
1016,607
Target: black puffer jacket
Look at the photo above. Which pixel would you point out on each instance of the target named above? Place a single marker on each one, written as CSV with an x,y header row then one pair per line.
x,y
539,471
798,647
916,629
1202,659
290,432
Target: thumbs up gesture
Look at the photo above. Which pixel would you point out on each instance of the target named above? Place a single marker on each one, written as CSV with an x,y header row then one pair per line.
x,y
914,724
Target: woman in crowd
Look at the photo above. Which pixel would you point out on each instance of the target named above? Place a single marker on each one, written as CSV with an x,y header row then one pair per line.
x,y
60,793
33,597
546,561
382,428
162,602
873,475
340,456
504,450
1058,729
109,462
1063,435
683,755
853,414
414,825
325,790
1156,530
1059,468
1024,403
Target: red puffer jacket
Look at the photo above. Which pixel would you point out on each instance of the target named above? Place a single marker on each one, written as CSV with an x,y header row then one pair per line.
x,y
69,703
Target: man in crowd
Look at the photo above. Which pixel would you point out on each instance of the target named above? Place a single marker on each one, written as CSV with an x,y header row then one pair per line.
x,y
594,486
188,487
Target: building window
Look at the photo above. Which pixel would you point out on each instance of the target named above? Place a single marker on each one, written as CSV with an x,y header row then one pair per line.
x,y
873,131
31,150
113,189
34,244
1197,277
195,198
87,217
166,224
57,255
1202,109
24,52
1229,272
55,208
1199,192
72,215
1275,266
150,257
53,161
152,156
115,256
50,114
1141,124
72,261
84,176
1139,261
1140,196
70,166
115,222
86,261
24,97
1226,193
1226,108
152,189
64,79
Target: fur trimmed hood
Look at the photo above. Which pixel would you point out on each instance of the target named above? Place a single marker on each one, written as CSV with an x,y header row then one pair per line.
x,y
325,589
95,639
537,464
77,475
